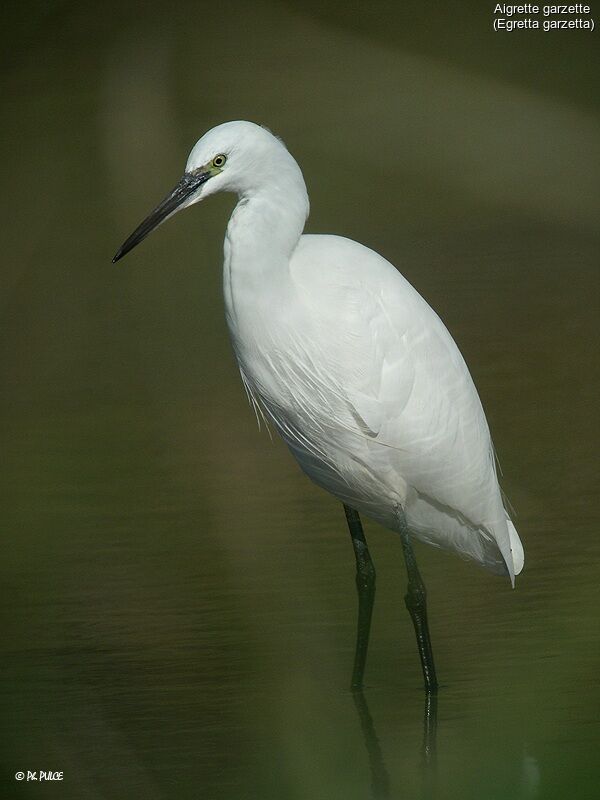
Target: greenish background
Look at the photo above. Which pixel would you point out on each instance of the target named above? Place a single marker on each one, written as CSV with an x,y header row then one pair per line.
x,y
178,600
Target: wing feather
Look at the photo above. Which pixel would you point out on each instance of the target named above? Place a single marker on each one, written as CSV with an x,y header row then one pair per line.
x,y
377,404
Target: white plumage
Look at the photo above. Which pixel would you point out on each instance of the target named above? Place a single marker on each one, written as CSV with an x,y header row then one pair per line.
x,y
373,398
355,370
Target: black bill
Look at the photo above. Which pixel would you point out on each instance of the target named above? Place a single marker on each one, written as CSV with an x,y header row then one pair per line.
x,y
184,189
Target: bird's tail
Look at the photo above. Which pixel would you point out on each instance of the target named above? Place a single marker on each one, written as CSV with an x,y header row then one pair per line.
x,y
518,556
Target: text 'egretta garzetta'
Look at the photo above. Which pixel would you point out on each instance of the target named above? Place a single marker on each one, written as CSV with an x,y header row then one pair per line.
x,y
354,369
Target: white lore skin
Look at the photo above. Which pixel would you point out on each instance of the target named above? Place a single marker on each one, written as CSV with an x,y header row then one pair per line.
x,y
355,370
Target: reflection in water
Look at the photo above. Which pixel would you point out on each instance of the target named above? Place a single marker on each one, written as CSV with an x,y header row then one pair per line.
x,y
365,584
429,728
380,779
429,746
530,776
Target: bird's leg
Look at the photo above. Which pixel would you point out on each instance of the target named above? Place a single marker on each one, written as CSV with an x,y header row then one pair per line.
x,y
416,603
365,585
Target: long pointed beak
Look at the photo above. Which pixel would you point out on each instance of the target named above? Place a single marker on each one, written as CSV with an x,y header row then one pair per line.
x,y
166,208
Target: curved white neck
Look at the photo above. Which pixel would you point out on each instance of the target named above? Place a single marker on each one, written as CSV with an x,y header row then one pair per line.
x,y
261,237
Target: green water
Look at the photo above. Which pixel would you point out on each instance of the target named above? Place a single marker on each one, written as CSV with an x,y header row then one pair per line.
x,y
179,605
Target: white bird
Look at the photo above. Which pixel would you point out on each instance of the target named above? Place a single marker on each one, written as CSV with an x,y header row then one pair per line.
x,y
353,368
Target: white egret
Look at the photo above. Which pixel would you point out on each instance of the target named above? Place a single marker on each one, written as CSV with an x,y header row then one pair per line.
x,y
353,368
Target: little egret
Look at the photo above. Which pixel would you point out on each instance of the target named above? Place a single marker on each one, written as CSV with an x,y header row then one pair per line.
x,y
353,368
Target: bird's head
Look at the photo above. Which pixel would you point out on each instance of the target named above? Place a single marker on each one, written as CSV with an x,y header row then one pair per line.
x,y
238,157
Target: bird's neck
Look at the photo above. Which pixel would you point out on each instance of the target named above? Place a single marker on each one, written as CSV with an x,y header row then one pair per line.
x,y
262,234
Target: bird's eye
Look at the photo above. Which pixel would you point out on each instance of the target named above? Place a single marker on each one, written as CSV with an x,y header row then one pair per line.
x,y
218,161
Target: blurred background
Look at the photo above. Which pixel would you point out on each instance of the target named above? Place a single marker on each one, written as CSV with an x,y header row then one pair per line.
x,y
179,602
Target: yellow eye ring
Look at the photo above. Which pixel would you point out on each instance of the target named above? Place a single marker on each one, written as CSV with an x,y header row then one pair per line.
x,y
219,160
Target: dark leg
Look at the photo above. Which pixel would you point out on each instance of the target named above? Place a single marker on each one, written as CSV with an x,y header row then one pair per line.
x,y
416,603
365,585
